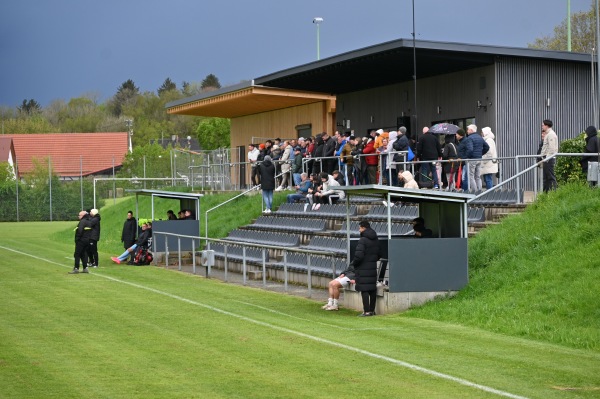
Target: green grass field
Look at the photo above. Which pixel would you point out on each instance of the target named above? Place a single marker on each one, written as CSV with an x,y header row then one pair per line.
x,y
148,332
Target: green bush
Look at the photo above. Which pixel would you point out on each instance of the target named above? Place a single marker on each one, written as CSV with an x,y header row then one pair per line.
x,y
568,169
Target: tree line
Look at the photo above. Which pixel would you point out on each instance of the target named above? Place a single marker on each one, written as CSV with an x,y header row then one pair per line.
x,y
146,109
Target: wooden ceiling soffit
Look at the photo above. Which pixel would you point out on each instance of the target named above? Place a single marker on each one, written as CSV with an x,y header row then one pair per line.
x,y
249,101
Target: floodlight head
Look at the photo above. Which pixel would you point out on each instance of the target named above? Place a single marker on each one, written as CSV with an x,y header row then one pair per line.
x,y
317,20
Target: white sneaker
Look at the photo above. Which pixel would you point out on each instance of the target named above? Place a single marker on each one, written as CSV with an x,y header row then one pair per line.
x,y
317,207
279,188
267,211
385,203
314,206
324,307
332,307
305,206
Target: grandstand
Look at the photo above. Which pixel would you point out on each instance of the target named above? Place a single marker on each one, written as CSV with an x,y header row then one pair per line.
x,y
282,245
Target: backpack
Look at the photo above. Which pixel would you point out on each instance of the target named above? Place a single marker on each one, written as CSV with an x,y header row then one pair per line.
x,y
397,157
142,257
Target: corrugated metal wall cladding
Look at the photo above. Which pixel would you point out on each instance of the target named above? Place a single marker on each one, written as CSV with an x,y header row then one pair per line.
x,y
524,87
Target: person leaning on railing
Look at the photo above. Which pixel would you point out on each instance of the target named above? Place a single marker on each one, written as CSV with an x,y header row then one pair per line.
x,y
591,147
371,160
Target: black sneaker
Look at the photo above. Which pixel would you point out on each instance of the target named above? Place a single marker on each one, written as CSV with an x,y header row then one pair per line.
x,y
74,271
85,270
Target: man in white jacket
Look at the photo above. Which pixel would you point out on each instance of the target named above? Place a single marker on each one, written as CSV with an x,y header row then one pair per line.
x,y
328,190
549,147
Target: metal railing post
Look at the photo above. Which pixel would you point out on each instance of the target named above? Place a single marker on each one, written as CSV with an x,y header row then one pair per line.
x,y
244,271
179,252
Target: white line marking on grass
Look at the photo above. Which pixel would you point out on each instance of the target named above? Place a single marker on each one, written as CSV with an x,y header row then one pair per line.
x,y
397,362
313,321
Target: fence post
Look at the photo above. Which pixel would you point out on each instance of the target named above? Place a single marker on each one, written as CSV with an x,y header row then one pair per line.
x,y
309,281
264,268
50,185
285,271
244,271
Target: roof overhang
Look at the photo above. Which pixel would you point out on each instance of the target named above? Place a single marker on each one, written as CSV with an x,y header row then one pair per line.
x,y
393,62
167,194
367,68
406,194
245,99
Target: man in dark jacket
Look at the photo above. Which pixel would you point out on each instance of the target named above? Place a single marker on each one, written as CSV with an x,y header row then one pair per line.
x,y
329,165
429,149
267,182
591,147
94,238
129,232
364,267
82,240
461,150
475,148
317,165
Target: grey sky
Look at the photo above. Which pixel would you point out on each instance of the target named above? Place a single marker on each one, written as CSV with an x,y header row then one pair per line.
x,y
61,49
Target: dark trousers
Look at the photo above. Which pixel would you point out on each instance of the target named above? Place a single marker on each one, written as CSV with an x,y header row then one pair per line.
x,y
317,166
549,176
369,298
426,168
93,252
80,254
372,174
332,164
255,176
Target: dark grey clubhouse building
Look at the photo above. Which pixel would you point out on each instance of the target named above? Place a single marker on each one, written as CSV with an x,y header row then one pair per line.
x,y
508,89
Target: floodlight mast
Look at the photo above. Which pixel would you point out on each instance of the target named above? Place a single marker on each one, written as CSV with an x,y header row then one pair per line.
x,y
317,21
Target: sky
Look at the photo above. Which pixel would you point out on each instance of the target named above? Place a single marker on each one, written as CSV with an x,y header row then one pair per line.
x,y
63,49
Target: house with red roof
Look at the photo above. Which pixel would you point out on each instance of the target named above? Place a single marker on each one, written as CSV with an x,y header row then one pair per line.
x,y
71,154
7,152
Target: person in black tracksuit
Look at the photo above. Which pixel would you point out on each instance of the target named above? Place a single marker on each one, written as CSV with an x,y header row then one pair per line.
x,y
129,232
364,267
330,164
94,238
82,241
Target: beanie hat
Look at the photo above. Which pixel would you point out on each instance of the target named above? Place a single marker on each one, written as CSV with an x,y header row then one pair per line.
x,y
94,212
591,130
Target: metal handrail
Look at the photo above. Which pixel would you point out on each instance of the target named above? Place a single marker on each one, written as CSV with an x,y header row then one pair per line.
x,y
224,203
244,264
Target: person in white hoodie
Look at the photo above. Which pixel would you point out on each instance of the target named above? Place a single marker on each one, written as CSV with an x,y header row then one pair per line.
x,y
393,136
328,189
408,179
489,160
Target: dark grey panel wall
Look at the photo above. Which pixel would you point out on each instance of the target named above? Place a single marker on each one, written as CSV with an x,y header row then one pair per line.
x,y
455,94
183,227
523,89
428,264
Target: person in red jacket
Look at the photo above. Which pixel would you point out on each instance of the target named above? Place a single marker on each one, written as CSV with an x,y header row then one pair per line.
x,y
371,160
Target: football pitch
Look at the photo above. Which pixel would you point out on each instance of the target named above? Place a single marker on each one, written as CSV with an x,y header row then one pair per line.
x,y
147,332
